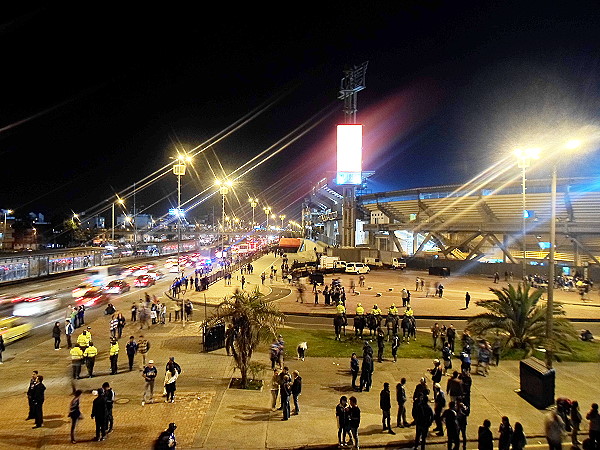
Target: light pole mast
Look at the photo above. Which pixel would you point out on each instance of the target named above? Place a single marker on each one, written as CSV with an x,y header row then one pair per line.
x,y
179,171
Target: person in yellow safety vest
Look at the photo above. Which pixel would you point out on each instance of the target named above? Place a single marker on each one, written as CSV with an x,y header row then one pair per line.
x,y
83,340
393,310
76,358
409,312
341,309
360,311
90,358
376,311
113,355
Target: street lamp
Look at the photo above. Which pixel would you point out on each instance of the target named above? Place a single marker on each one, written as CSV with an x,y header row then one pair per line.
x,y
223,190
571,145
6,212
179,170
524,158
282,216
253,204
121,202
267,210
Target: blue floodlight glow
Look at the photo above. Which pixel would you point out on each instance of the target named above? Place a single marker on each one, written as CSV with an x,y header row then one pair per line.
x,y
349,178
176,212
528,214
544,245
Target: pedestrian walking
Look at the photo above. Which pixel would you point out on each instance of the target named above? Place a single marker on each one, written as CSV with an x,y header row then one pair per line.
x,y
89,356
99,414
2,348
380,344
395,346
462,416
554,428
69,329
113,324
56,335
401,398
385,404
451,421
131,348
366,373
32,381
149,374
143,348
439,402
114,356
166,440
505,436
423,417
296,390
38,397
354,368
229,338
485,438
467,300
518,440
171,375
274,389
353,421
120,325
75,413
286,391
76,361
133,312
109,397
594,426
301,350
342,417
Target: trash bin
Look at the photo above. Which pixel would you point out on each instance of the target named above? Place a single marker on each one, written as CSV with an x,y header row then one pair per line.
x,y
213,338
537,382
439,271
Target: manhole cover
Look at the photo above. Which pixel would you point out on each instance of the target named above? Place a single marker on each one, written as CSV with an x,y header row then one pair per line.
x,y
122,401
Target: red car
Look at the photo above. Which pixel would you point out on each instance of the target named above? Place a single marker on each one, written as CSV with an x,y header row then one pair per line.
x,y
144,281
117,287
93,297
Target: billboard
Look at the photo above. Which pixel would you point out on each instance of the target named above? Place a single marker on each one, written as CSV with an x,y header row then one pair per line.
x,y
349,154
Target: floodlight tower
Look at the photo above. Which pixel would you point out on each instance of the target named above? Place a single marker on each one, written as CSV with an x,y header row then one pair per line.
x,y
349,177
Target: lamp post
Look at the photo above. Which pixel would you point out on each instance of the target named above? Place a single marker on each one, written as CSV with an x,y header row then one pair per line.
x,y
524,158
267,210
282,217
223,190
6,212
179,170
571,145
253,204
120,201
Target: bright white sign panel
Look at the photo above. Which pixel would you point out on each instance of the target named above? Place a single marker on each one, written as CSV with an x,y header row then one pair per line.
x,y
349,154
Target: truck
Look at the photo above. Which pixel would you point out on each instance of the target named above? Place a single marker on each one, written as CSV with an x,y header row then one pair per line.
x,y
373,262
339,266
398,263
327,263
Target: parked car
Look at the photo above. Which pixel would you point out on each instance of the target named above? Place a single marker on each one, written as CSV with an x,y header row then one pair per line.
x,y
357,268
144,281
117,287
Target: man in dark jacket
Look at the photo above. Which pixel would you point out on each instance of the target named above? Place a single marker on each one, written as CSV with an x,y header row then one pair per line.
x,y
401,399
366,373
99,414
285,392
423,415
32,382
451,420
354,368
296,390
385,403
166,440
37,397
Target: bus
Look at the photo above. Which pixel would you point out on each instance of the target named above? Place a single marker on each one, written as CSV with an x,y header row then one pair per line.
x,y
102,275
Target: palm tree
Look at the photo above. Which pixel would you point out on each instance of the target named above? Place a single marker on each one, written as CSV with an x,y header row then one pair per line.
x,y
518,314
254,321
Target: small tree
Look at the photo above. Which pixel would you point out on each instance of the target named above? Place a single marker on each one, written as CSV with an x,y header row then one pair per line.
x,y
518,314
254,321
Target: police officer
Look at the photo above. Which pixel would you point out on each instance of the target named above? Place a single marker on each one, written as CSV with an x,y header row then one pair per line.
x,y
409,312
376,311
90,358
360,311
392,310
83,340
341,309
113,355
76,359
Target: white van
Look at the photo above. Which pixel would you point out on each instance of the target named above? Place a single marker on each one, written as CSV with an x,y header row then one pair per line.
x,y
372,262
356,267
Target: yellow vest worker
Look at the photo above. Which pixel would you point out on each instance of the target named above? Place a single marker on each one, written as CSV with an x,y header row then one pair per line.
x,y
341,309
376,311
76,354
114,349
360,310
409,312
83,340
90,352
393,310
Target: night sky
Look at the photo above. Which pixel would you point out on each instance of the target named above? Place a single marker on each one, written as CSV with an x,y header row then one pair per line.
x,y
97,98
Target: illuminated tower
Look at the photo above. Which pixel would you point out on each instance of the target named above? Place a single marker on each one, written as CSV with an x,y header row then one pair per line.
x,y
349,150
